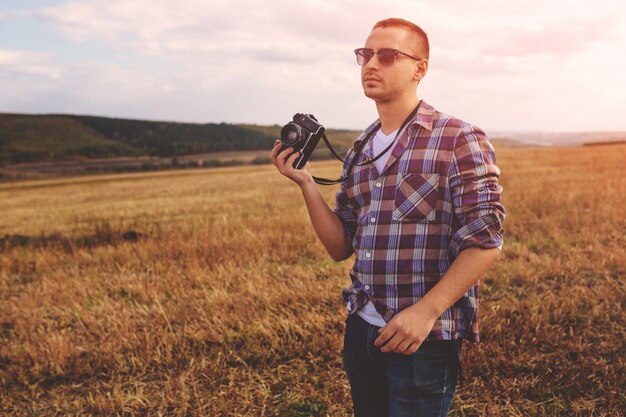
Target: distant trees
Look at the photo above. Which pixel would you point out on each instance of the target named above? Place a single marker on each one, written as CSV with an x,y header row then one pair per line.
x,y
36,138
169,138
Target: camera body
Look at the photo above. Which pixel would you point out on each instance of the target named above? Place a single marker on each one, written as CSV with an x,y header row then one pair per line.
x,y
303,134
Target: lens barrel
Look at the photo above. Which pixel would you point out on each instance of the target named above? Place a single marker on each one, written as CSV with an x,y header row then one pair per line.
x,y
291,134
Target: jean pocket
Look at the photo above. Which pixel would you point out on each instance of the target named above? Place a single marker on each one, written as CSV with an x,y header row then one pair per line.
x,y
416,197
426,371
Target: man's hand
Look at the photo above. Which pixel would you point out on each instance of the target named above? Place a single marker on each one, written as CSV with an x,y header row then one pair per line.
x,y
406,331
285,165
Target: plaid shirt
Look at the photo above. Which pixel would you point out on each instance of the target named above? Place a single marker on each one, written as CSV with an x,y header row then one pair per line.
x,y
437,195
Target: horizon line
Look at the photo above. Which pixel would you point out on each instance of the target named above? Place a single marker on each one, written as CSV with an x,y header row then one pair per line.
x,y
496,130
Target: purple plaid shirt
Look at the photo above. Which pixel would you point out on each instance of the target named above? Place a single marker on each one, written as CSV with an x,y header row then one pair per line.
x,y
437,195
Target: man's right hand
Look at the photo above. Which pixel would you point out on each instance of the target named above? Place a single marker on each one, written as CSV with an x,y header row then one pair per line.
x,y
326,223
285,165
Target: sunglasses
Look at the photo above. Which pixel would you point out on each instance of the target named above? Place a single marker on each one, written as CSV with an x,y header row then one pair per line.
x,y
386,56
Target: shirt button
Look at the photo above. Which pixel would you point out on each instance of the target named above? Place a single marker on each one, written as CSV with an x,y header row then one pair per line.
x,y
367,287
378,184
367,254
372,219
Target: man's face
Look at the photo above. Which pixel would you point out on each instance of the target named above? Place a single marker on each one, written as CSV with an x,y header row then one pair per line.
x,y
387,83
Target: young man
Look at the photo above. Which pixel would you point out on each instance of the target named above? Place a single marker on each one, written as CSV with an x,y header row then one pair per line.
x,y
424,221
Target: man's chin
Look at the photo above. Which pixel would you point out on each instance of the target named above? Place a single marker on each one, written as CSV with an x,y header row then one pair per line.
x,y
369,91
373,94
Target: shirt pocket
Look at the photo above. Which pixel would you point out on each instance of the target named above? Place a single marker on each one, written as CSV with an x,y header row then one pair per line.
x,y
416,197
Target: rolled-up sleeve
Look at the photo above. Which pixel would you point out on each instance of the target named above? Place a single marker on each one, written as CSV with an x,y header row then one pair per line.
x,y
475,191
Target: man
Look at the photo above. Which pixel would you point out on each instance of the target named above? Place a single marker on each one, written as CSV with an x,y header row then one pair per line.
x,y
424,221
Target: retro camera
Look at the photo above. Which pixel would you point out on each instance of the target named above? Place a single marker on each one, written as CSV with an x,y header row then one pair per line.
x,y
303,134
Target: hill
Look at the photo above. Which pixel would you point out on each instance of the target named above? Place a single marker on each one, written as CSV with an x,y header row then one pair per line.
x,y
55,137
57,145
25,138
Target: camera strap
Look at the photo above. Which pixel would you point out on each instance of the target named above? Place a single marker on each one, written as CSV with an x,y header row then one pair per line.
x,y
359,148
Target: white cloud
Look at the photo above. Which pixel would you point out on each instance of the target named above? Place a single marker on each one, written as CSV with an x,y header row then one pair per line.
x,y
194,26
560,37
244,61
18,63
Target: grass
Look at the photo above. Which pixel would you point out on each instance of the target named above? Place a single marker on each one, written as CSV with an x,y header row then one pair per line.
x,y
206,292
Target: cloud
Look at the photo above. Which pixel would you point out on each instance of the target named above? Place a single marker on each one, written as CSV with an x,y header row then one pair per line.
x,y
277,56
18,63
297,32
90,87
194,26
244,61
557,38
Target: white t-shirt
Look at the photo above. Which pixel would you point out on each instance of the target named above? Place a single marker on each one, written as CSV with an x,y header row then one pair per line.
x,y
381,141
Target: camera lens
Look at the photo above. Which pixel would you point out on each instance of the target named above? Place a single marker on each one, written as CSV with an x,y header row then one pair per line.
x,y
290,134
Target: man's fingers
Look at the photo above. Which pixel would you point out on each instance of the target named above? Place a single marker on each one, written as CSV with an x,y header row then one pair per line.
x,y
386,334
284,154
403,346
392,344
279,160
412,348
291,159
275,149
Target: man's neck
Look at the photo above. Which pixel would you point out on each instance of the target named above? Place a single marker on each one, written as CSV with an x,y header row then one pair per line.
x,y
393,113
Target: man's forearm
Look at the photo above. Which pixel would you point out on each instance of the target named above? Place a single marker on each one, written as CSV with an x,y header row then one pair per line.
x,y
464,272
327,225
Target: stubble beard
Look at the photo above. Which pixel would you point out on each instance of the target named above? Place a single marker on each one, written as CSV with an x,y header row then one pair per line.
x,y
378,96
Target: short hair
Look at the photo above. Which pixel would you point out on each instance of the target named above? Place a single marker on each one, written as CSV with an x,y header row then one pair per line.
x,y
421,39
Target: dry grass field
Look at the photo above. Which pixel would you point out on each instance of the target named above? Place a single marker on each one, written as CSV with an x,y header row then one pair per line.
x,y
206,292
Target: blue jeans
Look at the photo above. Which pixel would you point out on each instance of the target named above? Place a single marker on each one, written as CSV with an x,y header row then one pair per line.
x,y
392,384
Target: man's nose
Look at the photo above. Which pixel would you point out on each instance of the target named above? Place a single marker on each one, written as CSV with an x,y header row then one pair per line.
x,y
373,62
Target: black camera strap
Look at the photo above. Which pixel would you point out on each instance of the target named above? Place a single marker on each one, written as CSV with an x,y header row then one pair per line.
x,y
359,148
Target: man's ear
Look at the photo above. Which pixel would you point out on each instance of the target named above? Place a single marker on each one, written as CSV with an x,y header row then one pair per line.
x,y
420,70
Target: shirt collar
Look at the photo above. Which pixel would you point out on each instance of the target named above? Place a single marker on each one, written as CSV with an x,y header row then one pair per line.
x,y
424,118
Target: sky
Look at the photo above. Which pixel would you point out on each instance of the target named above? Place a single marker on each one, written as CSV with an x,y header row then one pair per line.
x,y
528,65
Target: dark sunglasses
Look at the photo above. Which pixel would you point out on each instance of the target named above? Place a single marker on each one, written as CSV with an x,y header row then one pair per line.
x,y
386,56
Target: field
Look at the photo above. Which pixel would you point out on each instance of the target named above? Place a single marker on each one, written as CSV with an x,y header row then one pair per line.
x,y
90,166
206,292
